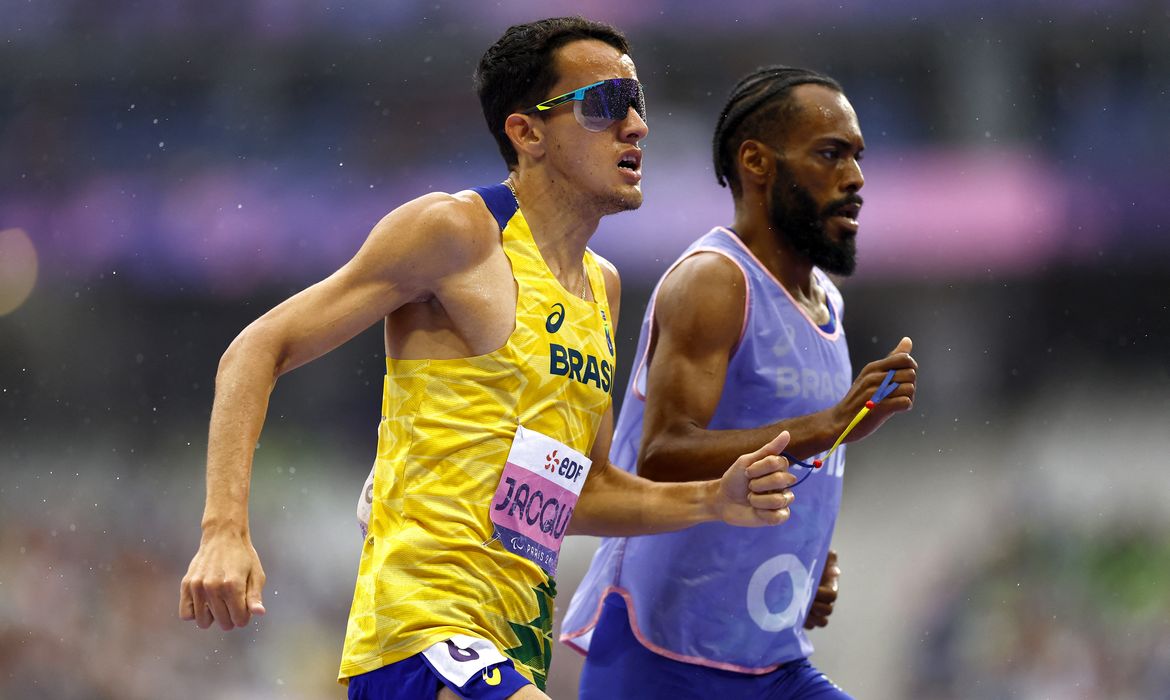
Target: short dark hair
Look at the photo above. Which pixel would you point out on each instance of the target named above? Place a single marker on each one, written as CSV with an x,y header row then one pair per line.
x,y
759,104
518,70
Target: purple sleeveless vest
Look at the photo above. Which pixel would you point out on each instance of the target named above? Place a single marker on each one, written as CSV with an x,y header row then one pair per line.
x,y
721,596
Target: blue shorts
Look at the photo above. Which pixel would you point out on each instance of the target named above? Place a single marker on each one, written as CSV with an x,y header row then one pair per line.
x,y
420,677
618,666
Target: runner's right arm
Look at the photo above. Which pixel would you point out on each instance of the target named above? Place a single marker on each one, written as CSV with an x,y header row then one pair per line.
x,y
407,256
698,319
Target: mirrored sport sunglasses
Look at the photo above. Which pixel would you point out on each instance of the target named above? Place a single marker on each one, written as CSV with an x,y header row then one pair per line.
x,y
600,104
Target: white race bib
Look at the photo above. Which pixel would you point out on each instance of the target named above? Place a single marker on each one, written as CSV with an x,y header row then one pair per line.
x,y
538,490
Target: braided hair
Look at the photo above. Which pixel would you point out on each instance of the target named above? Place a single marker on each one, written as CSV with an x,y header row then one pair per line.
x,y
758,104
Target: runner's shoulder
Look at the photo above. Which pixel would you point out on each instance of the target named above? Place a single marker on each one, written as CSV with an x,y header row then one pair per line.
x,y
456,227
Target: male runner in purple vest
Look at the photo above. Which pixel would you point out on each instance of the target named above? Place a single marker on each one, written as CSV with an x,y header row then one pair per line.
x,y
742,338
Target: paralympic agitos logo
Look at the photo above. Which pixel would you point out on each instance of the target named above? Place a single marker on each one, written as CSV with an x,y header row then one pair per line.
x,y
571,362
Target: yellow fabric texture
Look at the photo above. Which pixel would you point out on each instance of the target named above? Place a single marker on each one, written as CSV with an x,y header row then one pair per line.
x,y
429,566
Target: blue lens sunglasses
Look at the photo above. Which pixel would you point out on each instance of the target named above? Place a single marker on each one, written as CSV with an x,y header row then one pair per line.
x,y
598,105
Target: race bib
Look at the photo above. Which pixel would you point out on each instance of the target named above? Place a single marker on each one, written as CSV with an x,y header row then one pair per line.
x,y
366,503
536,496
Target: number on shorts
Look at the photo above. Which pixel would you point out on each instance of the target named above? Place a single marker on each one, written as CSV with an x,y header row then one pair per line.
x,y
461,654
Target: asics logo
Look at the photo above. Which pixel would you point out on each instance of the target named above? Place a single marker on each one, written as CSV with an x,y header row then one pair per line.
x,y
552,324
492,678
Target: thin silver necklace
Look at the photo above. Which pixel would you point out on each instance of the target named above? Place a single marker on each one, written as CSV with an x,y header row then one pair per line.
x,y
584,271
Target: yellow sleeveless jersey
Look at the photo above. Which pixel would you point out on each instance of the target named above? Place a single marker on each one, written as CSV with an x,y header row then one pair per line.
x,y
430,567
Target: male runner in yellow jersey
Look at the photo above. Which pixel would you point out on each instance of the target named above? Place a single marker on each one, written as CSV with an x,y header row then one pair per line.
x,y
499,326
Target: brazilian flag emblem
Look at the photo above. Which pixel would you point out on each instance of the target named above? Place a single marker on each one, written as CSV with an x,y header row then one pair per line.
x,y
535,647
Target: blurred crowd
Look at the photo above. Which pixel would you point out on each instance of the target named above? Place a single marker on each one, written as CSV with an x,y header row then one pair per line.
x,y
1053,614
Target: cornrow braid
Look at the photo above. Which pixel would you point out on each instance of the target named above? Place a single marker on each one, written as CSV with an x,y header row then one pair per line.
x,y
755,91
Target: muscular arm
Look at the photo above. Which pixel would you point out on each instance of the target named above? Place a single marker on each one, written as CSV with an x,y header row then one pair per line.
x,y
616,503
751,493
699,314
406,257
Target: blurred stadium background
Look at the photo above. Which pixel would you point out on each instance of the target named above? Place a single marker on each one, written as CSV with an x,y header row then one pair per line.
x,y
170,170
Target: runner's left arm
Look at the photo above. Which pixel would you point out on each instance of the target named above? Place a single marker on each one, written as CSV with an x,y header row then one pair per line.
x,y
826,597
752,492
